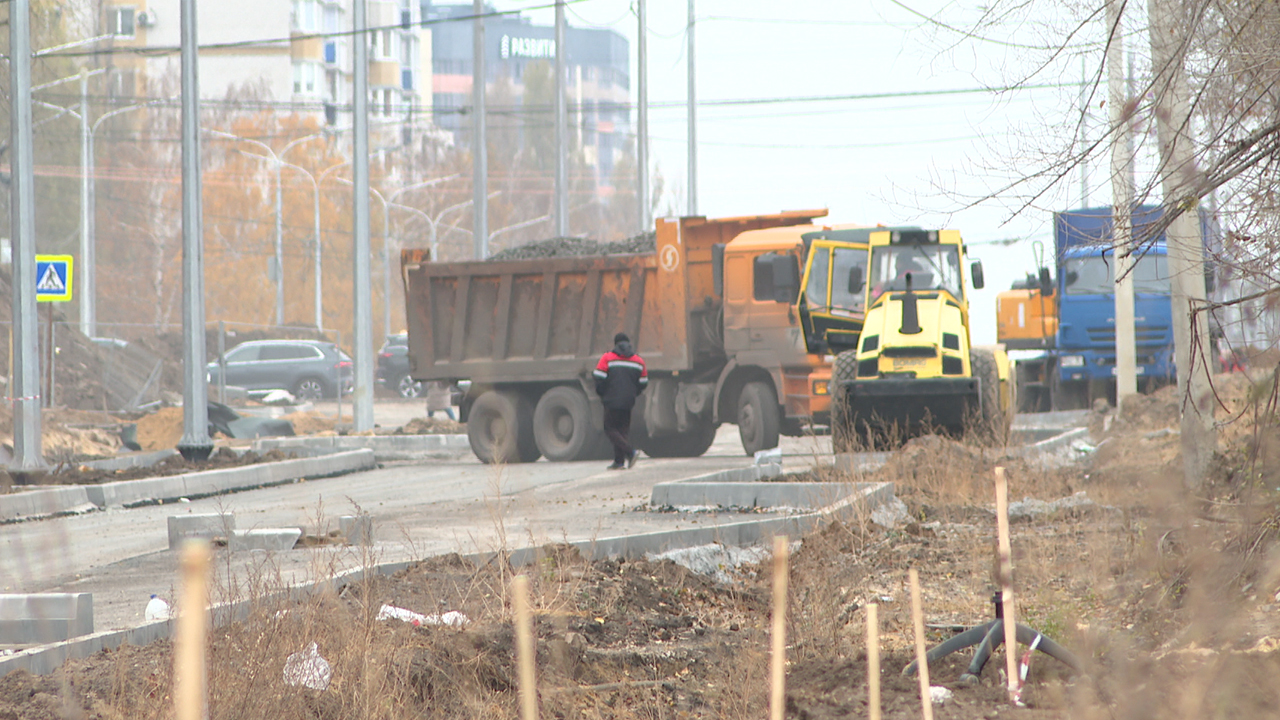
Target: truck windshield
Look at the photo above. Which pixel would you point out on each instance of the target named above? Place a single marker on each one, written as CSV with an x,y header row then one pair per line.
x,y
845,295
932,267
1096,275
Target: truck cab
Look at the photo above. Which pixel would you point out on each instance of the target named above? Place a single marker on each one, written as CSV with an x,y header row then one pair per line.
x,y
782,308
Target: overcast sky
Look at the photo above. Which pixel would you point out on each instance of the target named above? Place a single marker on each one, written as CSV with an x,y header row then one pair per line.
x,y
903,159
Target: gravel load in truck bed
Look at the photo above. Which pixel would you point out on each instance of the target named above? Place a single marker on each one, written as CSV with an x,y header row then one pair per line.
x,y
571,247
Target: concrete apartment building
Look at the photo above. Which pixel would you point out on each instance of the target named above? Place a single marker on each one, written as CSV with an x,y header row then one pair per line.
x,y
298,52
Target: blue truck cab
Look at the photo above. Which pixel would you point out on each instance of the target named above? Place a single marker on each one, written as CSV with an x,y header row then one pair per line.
x,y
1077,363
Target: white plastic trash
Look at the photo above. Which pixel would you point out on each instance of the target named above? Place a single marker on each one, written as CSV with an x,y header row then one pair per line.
x,y
772,456
453,618
939,695
308,669
157,609
391,612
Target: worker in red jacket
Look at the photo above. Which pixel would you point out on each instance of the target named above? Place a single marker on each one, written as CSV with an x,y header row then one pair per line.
x,y
620,378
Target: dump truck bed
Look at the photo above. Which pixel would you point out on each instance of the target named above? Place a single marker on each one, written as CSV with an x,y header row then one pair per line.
x,y
528,320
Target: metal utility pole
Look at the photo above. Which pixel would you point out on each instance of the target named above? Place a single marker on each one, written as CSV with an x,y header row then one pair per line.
x,y
642,122
1185,249
88,318
195,443
562,130
362,351
693,122
279,257
479,141
25,394
1121,208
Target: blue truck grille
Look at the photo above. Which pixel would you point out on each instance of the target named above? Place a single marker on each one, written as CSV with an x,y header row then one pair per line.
x,y
1142,336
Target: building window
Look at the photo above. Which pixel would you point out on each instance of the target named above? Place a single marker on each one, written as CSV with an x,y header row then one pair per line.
x,y
306,15
406,50
383,46
332,18
120,21
306,77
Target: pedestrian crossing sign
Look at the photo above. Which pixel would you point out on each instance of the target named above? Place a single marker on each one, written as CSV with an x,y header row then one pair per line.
x,y
53,278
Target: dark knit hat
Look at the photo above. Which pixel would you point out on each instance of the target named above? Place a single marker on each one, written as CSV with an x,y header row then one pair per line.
x,y
621,338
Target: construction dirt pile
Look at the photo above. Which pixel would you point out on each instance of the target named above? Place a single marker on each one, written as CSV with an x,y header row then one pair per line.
x,y
572,247
69,435
431,426
161,429
1168,598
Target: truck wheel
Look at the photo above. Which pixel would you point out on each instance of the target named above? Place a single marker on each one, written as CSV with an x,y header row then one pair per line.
x,y
758,419
993,419
499,428
844,432
562,425
687,444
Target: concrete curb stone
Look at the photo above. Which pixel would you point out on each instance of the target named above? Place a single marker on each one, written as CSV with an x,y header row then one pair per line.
x,y
55,500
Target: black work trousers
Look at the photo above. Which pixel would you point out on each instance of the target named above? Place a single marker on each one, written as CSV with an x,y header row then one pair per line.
x,y
617,426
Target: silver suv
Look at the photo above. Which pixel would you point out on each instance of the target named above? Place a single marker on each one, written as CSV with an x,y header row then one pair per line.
x,y
310,369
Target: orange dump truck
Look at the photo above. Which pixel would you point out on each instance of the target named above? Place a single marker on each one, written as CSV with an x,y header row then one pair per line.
x,y
713,310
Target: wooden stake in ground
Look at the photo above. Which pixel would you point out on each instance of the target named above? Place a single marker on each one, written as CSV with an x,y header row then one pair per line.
x,y
193,621
1005,558
922,662
873,661
524,648
778,698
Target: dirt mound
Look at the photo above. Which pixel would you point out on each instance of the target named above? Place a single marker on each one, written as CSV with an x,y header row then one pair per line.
x,y
313,423
161,429
573,247
431,426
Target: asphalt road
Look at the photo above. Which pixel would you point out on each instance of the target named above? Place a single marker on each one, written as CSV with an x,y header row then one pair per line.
x,y
418,510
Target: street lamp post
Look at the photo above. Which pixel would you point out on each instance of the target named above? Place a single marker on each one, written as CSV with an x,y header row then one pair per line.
x,y
386,236
277,159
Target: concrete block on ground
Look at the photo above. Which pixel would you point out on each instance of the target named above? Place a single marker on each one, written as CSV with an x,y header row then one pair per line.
x,y
209,526
45,617
796,495
42,502
863,462
265,539
357,529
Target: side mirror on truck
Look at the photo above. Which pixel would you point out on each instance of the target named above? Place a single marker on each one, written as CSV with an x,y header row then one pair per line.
x,y
855,280
975,272
1046,283
786,278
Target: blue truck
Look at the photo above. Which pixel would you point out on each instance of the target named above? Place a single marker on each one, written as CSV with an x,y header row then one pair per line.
x,y
1066,357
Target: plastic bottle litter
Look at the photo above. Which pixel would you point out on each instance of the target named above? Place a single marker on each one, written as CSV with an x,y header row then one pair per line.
x,y
157,609
308,669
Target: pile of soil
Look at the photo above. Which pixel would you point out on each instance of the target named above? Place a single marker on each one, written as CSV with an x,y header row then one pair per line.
x,y
68,435
572,247
431,426
161,429
313,423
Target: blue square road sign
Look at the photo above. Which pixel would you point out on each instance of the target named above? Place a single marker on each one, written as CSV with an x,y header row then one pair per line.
x,y
53,278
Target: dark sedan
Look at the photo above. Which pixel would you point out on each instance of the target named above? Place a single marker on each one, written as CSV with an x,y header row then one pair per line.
x,y
393,367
